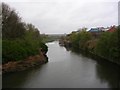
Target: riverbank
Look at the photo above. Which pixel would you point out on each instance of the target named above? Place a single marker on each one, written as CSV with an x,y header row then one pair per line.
x,y
22,43
68,69
86,52
31,61
105,45
97,57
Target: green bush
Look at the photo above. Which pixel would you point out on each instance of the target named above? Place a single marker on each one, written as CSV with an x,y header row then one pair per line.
x,y
107,46
19,49
19,40
79,39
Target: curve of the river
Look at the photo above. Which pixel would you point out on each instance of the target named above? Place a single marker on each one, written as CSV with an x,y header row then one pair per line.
x,y
66,69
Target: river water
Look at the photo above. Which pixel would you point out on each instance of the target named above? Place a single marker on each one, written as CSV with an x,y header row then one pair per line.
x,y
66,69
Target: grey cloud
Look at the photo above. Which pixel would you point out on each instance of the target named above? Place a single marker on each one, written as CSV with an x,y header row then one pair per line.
x,y
63,17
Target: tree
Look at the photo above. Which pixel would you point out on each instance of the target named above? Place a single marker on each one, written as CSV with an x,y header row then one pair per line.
x,y
79,38
0,33
84,37
102,47
108,46
20,40
12,27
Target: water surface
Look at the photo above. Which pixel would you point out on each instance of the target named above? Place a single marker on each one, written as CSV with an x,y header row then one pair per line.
x,y
66,69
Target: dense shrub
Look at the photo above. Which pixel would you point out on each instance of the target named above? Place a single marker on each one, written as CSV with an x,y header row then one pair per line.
x,y
108,46
79,39
20,40
19,49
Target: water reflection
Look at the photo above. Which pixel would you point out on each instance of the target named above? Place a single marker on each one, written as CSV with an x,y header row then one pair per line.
x,y
105,70
18,79
108,72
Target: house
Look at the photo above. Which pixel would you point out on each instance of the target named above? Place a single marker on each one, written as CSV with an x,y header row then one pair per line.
x,y
105,29
96,32
112,29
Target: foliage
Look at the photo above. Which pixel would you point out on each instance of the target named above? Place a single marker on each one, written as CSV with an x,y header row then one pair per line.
x,y
20,40
79,39
84,37
51,37
74,39
107,45
20,49
0,50
118,35
103,46
12,27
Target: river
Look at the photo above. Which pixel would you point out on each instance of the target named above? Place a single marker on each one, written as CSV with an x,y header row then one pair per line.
x,y
66,69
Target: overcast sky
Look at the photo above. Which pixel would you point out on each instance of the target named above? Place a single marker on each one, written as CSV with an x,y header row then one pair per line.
x,y
64,16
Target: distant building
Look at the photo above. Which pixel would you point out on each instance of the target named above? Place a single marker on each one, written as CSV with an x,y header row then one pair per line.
x,y
112,29
104,29
96,32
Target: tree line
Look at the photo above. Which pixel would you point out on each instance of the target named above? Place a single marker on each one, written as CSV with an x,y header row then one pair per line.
x,y
106,46
19,39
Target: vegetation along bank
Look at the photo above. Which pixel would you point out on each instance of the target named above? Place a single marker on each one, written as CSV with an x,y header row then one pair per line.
x,y
100,42
22,44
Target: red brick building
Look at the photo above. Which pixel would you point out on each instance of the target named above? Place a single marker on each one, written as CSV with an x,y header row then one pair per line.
x,y
112,29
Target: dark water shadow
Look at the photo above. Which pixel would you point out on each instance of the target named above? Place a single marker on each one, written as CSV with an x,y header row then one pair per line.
x,y
18,79
106,71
